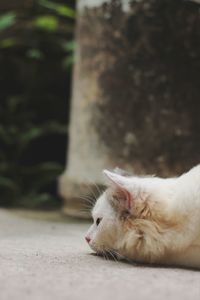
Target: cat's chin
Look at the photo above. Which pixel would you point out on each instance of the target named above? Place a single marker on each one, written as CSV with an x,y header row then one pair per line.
x,y
103,252
95,248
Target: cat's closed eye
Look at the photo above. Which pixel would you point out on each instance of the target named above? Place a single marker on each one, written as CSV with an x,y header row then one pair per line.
x,y
98,220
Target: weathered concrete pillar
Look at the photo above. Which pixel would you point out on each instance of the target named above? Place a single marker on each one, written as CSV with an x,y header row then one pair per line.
x,y
136,93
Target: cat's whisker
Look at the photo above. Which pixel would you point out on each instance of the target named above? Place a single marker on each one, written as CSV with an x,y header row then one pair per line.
x,y
87,199
85,210
112,255
88,205
118,256
88,195
98,189
91,190
103,255
106,255
121,257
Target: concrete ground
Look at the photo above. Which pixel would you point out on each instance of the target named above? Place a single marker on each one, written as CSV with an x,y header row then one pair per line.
x,y
49,259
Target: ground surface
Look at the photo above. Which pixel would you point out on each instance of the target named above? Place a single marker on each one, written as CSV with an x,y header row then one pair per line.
x,y
50,260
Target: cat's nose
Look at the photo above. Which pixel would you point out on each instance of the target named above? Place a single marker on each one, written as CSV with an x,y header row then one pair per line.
x,y
87,239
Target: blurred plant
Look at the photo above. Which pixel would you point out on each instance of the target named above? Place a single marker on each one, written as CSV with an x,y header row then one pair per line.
x,y
60,9
7,20
49,23
36,56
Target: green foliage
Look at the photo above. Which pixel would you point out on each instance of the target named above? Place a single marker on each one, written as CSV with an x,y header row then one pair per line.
x,y
36,56
49,23
7,20
7,42
69,46
49,16
60,9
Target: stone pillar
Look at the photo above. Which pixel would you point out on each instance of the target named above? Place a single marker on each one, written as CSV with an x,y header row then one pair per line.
x,y
136,93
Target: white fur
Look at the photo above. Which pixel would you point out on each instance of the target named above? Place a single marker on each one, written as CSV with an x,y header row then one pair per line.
x,y
180,199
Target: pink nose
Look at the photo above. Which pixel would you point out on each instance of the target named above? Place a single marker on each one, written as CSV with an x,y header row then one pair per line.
x,y
87,239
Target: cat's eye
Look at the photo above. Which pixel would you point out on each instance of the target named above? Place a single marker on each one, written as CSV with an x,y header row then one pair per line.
x,y
98,220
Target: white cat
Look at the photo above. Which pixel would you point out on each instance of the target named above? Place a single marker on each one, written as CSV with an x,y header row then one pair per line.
x,y
149,219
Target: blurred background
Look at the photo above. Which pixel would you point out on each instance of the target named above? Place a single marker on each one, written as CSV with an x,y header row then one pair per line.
x,y
135,95
36,57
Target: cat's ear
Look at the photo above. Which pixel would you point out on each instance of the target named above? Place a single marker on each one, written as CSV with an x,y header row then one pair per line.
x,y
116,178
122,193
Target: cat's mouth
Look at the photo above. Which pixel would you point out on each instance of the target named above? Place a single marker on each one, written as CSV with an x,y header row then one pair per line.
x,y
101,251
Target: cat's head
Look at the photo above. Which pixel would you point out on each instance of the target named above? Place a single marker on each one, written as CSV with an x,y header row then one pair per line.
x,y
124,213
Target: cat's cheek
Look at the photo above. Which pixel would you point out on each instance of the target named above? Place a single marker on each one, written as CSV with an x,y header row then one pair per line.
x,y
95,241
98,242
106,237
93,246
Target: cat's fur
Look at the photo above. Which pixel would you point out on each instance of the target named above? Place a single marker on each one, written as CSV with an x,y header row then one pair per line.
x,y
149,219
